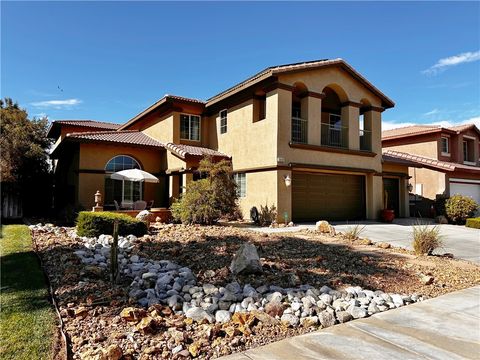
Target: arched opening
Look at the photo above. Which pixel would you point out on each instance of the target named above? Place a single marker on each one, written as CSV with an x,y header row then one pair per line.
x,y
299,113
121,191
365,126
334,129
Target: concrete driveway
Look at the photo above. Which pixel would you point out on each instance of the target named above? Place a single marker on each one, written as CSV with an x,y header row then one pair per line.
x,y
461,241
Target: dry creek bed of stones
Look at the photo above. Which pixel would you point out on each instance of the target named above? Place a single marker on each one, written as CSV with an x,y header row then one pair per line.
x,y
177,298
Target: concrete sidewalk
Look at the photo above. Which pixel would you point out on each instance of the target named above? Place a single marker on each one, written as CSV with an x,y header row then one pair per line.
x,y
447,327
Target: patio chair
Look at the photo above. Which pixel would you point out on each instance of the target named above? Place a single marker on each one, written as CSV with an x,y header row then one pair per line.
x,y
150,204
117,207
139,205
127,205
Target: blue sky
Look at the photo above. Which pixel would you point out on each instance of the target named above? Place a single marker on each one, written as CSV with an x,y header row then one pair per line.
x,y
110,60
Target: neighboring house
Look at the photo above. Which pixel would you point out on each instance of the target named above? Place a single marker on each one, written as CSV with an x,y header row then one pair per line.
x,y
305,137
449,158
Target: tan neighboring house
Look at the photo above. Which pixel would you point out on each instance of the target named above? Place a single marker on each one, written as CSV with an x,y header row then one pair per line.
x,y
305,137
449,158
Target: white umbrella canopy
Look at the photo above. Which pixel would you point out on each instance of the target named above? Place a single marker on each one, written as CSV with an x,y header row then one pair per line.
x,y
134,175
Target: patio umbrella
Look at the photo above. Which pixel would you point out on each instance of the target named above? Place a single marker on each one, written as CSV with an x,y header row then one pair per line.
x,y
134,175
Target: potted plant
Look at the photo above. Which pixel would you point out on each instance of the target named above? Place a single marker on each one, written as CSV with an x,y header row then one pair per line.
x,y
387,214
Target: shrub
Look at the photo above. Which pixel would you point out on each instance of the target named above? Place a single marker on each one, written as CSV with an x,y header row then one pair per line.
x,y
92,224
426,239
206,200
459,208
353,232
267,215
473,223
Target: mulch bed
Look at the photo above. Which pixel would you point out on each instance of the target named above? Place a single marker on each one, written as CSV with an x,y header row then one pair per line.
x,y
90,307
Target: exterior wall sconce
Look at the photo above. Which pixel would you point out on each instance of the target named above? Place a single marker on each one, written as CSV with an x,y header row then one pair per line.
x,y
288,180
409,187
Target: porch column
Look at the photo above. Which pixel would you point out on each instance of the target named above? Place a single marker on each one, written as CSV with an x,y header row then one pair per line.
x,y
374,196
314,116
350,115
373,123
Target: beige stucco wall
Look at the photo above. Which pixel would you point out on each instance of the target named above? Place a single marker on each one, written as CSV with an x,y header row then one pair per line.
x,y
434,182
317,80
261,190
94,157
427,148
251,144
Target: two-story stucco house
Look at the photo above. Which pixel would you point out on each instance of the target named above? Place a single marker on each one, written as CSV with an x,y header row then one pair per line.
x,y
449,158
305,137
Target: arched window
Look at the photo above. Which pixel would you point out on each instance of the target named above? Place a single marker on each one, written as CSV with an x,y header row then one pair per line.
x,y
124,192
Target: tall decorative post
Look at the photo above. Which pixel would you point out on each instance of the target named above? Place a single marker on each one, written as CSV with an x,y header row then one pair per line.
x,y
114,274
98,202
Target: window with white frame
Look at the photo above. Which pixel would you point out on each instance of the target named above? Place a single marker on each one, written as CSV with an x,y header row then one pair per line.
x,y
190,127
241,181
223,121
118,190
445,145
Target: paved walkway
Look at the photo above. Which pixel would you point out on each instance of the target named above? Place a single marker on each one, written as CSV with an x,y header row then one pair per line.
x,y
447,327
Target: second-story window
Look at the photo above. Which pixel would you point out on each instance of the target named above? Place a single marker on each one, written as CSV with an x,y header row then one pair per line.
x,y
223,121
445,145
190,127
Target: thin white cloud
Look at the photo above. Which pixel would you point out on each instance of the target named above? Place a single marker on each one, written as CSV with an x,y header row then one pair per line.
x,y
447,62
433,112
56,104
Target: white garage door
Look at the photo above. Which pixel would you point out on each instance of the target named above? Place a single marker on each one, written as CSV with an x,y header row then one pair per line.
x,y
466,187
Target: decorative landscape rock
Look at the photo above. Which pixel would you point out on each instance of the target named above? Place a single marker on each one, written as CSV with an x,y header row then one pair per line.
x,y
246,260
144,215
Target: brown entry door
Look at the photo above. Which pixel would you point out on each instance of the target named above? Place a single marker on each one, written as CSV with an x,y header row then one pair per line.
x,y
327,197
392,187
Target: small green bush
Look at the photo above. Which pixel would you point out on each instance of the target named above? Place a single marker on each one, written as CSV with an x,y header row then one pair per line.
x,y
473,223
426,239
92,224
459,208
267,215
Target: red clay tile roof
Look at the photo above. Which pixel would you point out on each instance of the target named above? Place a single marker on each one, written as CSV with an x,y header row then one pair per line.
x,y
89,123
431,163
415,130
120,137
386,158
184,150
273,70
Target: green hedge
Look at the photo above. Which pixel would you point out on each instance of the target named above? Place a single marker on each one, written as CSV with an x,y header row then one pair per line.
x,y
92,224
473,223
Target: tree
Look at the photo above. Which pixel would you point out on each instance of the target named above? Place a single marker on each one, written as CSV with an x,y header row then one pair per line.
x,y
23,154
208,199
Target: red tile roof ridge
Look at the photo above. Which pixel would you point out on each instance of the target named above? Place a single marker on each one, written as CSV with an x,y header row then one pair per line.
x,y
102,132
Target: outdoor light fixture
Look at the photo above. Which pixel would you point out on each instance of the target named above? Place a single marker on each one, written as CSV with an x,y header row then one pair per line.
x,y
288,180
410,187
98,198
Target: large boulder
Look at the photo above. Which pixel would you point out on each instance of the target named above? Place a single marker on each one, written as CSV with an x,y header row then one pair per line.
x,y
246,260
324,227
144,216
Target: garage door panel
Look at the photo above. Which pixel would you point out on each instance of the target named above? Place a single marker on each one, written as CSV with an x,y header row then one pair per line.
x,y
326,196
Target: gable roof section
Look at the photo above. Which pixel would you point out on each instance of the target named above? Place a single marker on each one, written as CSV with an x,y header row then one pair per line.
x,y
55,126
166,99
183,151
430,163
262,75
308,65
416,130
129,137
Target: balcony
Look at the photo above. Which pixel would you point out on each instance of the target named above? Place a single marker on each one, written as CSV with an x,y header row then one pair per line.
x,y
299,130
334,135
365,140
